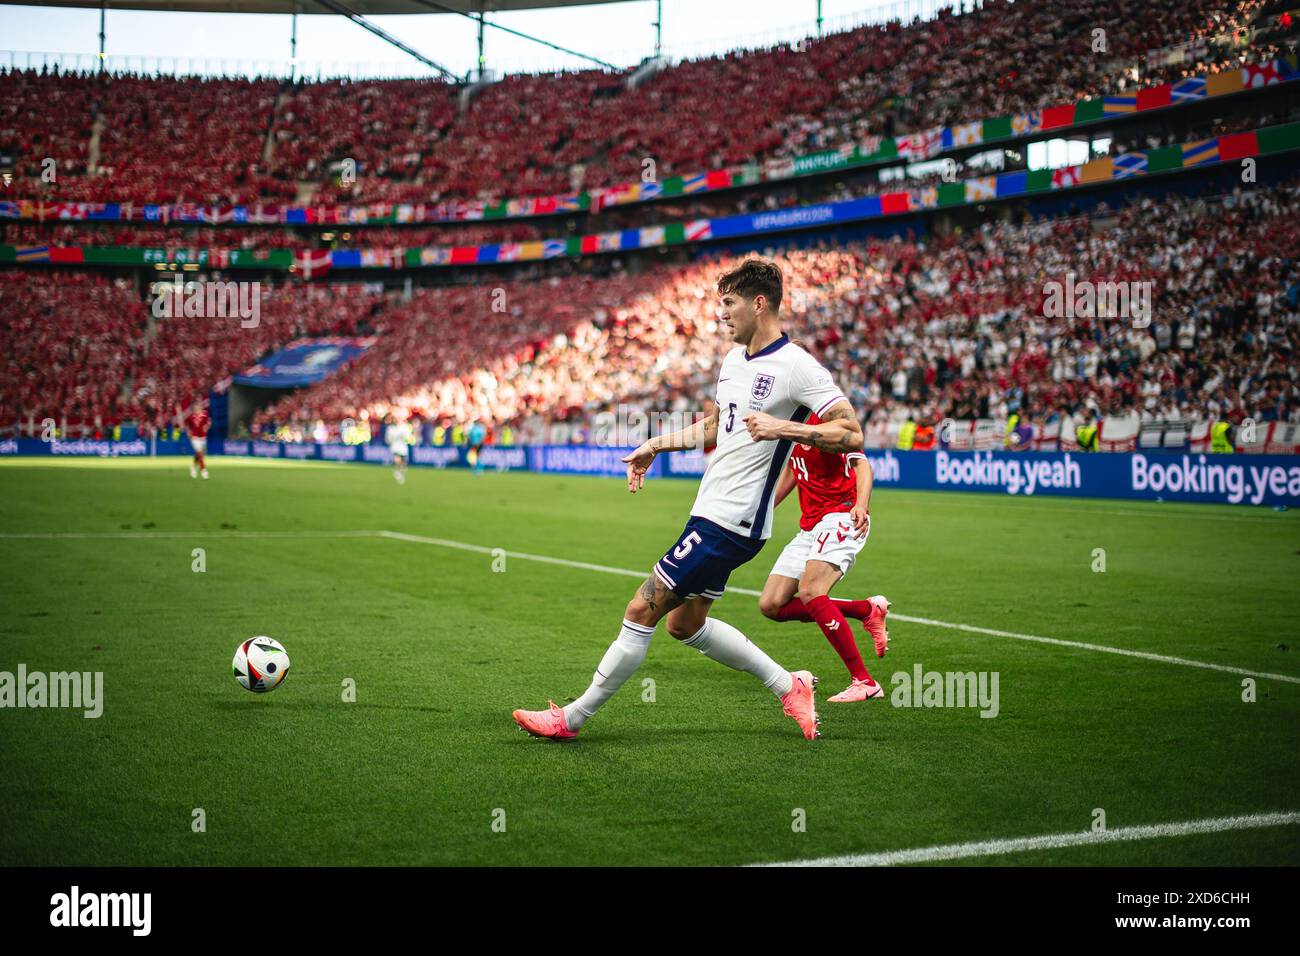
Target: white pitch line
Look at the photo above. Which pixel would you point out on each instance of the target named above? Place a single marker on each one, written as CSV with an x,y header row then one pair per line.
x,y
1054,841
905,618
521,555
625,572
1100,648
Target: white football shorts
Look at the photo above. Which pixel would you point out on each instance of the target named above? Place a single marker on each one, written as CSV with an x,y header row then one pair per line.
x,y
832,540
200,445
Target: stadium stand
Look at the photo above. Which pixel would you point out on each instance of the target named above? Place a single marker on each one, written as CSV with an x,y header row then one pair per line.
x,y
221,140
931,330
949,330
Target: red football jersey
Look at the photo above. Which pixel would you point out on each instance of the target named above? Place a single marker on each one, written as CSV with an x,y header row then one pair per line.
x,y
197,424
825,480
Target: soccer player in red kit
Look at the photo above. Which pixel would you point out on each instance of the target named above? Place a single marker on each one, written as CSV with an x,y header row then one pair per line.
x,y
197,424
834,494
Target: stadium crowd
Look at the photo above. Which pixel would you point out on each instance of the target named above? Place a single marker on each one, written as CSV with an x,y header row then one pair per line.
x,y
226,140
921,329
86,351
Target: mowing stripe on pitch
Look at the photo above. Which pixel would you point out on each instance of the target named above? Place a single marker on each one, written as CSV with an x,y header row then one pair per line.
x,y
625,572
1055,841
905,618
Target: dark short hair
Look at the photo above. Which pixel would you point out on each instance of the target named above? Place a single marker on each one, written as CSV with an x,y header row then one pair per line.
x,y
754,277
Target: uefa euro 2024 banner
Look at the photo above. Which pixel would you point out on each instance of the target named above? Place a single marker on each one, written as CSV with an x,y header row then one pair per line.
x,y
1218,479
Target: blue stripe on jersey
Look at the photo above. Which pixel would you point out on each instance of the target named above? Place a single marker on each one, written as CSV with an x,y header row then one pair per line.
x,y
779,459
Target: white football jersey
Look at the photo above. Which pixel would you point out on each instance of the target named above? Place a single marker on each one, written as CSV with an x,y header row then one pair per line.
x,y
398,435
739,484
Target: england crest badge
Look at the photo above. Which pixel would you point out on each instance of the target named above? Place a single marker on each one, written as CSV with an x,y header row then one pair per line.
x,y
762,386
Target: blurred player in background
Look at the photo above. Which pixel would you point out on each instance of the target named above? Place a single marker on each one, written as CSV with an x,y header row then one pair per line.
x,y
398,437
197,423
477,436
767,388
834,522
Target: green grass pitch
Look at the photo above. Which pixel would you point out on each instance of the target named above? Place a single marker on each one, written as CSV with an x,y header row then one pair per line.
x,y
442,647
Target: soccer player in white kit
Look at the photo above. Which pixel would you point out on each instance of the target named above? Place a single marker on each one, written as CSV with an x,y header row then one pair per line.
x,y
398,437
767,388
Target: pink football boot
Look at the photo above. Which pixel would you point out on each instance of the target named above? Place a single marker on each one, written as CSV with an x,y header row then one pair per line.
x,y
875,623
545,723
800,705
858,690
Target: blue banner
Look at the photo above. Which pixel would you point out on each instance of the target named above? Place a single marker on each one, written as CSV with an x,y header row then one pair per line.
x,y
1272,480
584,460
1156,476
92,448
493,457
798,217
1221,479
304,362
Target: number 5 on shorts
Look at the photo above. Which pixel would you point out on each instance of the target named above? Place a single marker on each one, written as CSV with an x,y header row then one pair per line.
x,y
688,542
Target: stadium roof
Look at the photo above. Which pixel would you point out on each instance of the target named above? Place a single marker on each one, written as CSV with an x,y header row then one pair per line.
x,y
363,7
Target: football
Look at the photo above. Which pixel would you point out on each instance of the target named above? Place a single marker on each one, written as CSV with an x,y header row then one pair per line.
x,y
261,664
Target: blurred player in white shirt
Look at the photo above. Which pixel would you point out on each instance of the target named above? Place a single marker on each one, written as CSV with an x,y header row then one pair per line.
x,y
398,438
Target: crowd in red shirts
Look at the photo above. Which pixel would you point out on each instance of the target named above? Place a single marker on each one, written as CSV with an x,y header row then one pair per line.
x,y
919,328
922,329
88,352
232,140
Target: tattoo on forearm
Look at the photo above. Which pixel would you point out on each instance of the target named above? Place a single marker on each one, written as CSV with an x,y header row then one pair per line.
x,y
710,429
841,441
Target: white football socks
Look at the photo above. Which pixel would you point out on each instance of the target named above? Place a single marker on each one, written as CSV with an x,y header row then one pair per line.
x,y
619,663
721,642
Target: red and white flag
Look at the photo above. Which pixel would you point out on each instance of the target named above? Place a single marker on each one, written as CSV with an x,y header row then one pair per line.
x,y
921,145
1066,177
698,229
1260,74
311,263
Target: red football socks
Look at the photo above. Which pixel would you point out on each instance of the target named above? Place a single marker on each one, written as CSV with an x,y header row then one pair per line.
x,y
829,618
796,610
